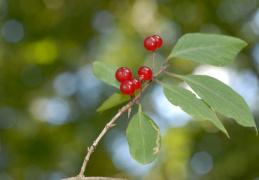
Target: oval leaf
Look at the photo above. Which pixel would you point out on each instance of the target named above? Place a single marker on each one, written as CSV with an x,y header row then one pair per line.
x,y
188,102
106,72
217,50
144,138
221,98
114,100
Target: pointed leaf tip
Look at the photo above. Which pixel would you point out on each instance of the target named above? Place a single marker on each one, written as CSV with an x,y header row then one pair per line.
x,y
222,98
216,50
195,107
114,100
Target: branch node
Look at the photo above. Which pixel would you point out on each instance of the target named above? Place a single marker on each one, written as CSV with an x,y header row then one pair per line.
x,y
91,149
165,67
121,111
108,126
79,177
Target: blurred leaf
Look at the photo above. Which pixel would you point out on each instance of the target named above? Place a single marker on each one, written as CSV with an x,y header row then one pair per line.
x,y
114,100
106,72
221,98
144,138
217,50
188,102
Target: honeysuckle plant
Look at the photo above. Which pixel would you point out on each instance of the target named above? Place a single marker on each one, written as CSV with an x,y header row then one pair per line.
x,y
143,134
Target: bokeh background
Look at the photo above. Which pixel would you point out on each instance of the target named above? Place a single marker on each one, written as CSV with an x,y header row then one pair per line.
x,y
49,95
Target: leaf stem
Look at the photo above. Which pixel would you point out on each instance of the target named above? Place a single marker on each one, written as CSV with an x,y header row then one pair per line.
x,y
159,82
172,74
164,63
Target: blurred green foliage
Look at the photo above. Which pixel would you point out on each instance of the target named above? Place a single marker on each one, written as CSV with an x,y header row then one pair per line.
x,y
49,96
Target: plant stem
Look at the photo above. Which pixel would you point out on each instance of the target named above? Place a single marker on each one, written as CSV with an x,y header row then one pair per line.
x,y
110,124
153,61
106,128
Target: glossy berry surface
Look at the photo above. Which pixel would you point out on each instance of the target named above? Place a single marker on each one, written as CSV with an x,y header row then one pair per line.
x,y
123,74
144,73
150,44
136,83
127,88
159,40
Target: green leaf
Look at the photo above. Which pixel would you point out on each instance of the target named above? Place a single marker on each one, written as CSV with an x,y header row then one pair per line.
x,y
114,100
144,138
217,50
106,72
188,102
221,98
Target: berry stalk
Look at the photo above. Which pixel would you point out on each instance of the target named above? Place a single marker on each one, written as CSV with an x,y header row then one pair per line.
x,y
153,61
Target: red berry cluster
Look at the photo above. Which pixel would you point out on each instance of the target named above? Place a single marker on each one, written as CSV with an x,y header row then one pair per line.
x,y
124,75
153,42
128,84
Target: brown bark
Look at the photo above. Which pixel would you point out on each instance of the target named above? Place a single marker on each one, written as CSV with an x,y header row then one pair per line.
x,y
92,178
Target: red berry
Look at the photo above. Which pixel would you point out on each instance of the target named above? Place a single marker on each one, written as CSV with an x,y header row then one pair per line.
x,y
127,88
144,73
159,40
123,74
150,44
136,83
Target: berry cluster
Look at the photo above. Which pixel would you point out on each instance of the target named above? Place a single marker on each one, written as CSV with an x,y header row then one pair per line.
x,y
124,75
153,42
128,84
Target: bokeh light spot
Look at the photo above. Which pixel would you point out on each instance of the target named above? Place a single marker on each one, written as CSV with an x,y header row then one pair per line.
x,y
65,84
89,87
227,12
103,22
247,85
230,11
12,31
222,74
255,54
174,115
54,111
170,32
255,23
53,176
45,52
142,15
202,162
116,143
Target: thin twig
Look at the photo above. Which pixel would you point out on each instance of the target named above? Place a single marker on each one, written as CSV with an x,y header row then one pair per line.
x,y
111,123
164,63
92,178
